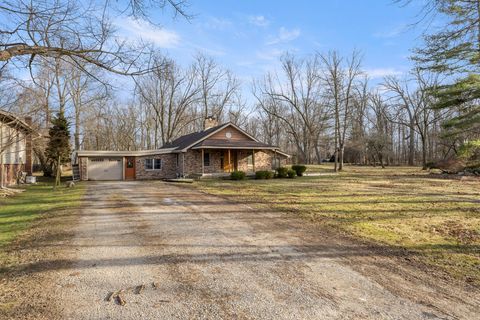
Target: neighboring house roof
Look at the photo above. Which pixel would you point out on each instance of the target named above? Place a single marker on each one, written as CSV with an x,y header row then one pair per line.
x,y
14,121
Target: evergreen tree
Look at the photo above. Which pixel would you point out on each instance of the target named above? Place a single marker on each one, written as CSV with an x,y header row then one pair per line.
x,y
454,50
58,148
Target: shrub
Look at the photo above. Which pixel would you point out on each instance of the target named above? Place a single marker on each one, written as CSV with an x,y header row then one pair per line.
x,y
282,172
291,173
474,169
450,166
237,175
470,151
264,174
430,165
299,169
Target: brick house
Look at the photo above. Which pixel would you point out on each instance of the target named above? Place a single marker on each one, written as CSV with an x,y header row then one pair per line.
x,y
215,151
15,147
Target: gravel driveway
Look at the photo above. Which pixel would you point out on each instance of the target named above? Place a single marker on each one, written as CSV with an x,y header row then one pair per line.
x,y
203,257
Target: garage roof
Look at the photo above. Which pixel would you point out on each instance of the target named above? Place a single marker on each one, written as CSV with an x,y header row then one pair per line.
x,y
87,153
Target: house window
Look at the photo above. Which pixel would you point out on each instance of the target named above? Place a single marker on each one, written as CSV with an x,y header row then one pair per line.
x,y
153,164
149,164
130,163
206,159
157,165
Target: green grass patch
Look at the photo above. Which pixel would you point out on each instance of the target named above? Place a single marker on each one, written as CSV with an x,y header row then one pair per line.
x,y
435,218
17,213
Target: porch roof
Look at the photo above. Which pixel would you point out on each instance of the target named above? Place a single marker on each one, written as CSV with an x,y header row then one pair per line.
x,y
232,144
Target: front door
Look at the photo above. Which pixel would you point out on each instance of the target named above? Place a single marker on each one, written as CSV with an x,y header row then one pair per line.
x,y
229,160
129,168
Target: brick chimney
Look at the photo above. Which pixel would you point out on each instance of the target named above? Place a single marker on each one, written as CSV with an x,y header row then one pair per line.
x,y
28,148
210,122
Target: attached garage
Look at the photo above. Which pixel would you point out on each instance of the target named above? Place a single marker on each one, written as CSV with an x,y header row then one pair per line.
x,y
119,165
105,168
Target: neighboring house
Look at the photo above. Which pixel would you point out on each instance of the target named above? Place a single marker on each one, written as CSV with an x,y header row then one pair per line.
x,y
217,150
15,147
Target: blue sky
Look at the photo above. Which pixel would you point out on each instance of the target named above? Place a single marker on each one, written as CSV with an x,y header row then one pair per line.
x,y
249,36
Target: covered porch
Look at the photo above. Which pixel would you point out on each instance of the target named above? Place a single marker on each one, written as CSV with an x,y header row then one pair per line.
x,y
222,160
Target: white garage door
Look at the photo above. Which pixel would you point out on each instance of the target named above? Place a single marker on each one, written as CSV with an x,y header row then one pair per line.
x,y
105,168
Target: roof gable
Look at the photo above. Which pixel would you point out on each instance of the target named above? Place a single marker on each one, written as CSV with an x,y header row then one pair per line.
x,y
13,121
187,141
230,133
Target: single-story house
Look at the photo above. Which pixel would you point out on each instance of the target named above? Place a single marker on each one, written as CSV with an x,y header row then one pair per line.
x,y
215,151
15,147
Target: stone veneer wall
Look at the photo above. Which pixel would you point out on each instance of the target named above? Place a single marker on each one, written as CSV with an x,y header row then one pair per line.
x,y
263,160
168,171
193,164
242,157
193,161
215,162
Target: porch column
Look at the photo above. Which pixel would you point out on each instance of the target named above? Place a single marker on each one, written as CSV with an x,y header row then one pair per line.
x,y
229,162
203,162
253,159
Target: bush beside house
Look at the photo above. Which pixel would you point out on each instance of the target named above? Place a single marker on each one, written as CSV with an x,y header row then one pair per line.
x,y
291,173
237,175
299,169
281,172
261,175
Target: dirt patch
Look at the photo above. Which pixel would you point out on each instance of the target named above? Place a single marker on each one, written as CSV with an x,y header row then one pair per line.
x,y
459,232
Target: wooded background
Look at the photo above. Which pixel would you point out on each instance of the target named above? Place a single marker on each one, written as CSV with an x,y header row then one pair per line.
x,y
314,107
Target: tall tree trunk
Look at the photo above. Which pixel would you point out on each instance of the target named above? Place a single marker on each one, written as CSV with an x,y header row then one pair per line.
x,y
340,157
77,130
59,174
337,124
411,146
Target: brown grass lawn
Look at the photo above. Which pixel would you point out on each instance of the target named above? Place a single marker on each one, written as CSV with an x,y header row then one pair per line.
x,y
436,218
19,213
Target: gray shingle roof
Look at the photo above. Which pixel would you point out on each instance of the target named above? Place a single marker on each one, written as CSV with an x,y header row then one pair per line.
x,y
188,139
220,143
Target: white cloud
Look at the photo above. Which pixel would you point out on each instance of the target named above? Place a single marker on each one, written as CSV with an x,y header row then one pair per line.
x,y
217,23
272,54
259,21
392,33
285,35
376,73
135,29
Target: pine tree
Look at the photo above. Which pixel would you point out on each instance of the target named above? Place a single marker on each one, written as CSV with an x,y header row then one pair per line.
x,y
58,148
455,52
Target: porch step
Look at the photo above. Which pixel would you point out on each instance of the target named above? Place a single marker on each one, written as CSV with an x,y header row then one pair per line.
x,y
76,172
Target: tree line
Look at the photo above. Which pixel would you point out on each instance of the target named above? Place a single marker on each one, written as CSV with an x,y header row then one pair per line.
x,y
318,107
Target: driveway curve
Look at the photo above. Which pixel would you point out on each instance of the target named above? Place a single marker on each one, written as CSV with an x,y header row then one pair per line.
x,y
171,252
